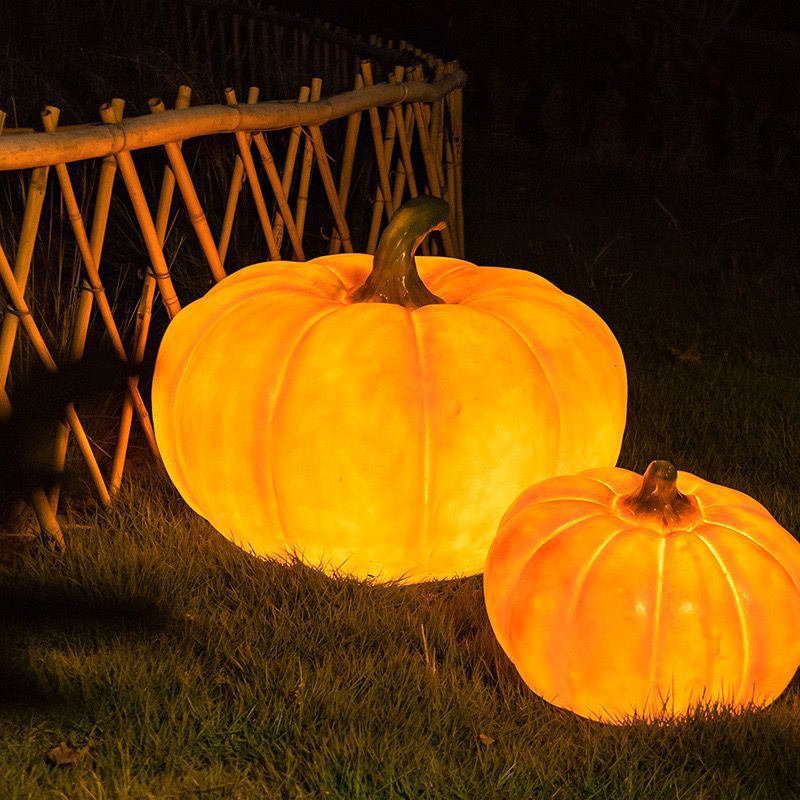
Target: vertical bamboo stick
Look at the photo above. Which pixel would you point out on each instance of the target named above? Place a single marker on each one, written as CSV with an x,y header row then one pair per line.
x,y
330,187
80,326
132,183
405,167
378,206
190,199
306,167
377,139
432,173
252,179
237,179
50,120
274,178
22,312
288,167
348,157
34,200
144,312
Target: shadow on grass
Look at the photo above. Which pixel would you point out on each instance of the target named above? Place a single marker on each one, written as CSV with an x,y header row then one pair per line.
x,y
33,615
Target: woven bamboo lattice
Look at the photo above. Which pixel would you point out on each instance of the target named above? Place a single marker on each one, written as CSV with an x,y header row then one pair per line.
x,y
396,133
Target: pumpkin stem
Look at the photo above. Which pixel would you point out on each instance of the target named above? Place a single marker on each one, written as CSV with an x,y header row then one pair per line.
x,y
658,495
394,277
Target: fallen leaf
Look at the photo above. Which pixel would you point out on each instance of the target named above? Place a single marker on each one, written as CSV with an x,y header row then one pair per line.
x,y
65,754
484,739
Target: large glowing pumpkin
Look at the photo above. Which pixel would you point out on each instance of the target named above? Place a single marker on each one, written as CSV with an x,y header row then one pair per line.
x,y
617,595
379,420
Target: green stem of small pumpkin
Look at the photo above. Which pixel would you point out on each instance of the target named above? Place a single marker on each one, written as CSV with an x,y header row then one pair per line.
x,y
658,495
394,277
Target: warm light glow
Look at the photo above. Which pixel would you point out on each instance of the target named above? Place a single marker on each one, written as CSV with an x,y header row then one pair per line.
x,y
374,438
607,612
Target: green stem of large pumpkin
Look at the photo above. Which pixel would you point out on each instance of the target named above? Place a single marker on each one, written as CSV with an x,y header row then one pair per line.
x,y
394,277
658,496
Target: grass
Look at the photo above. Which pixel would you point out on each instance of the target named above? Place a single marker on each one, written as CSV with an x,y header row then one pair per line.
x,y
191,669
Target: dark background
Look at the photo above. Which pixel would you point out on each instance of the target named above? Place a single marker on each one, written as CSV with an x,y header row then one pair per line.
x,y
698,85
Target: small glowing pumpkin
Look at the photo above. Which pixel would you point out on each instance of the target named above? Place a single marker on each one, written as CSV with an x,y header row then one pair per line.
x,y
341,410
616,595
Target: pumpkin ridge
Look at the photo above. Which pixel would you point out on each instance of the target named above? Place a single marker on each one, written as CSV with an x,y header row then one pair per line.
x,y
426,437
545,373
444,275
342,284
658,614
510,598
746,654
580,583
265,463
182,372
549,297
759,545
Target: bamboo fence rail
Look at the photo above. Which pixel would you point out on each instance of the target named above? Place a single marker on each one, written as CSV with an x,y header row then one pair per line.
x,y
319,181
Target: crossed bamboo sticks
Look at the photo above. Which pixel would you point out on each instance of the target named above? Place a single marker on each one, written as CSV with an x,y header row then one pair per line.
x,y
433,129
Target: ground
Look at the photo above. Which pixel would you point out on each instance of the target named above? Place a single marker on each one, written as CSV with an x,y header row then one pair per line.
x,y
190,669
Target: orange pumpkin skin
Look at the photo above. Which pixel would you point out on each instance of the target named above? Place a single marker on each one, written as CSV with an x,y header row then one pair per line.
x,y
613,615
375,439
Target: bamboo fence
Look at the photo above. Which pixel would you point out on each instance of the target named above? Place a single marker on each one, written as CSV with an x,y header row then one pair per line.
x,y
317,157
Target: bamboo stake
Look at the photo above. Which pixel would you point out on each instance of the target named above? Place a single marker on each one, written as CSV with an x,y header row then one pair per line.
x,y
458,150
144,313
306,167
80,326
432,173
288,166
400,179
136,194
34,199
348,157
405,148
237,180
377,139
50,120
252,179
274,178
378,205
194,208
330,187
22,312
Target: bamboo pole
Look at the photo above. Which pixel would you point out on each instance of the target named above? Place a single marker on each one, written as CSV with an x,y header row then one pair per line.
x,y
252,179
330,187
237,180
405,148
144,312
194,208
136,194
23,314
34,199
432,174
136,133
306,167
50,120
268,162
377,139
348,157
80,326
288,166
390,134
